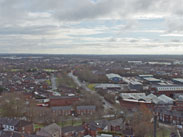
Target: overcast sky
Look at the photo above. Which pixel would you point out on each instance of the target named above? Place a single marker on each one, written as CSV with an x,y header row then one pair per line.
x,y
91,26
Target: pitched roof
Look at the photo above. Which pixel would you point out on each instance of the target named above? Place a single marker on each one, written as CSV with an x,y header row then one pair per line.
x,y
50,129
135,96
72,129
15,134
98,124
91,107
62,108
166,99
14,122
116,122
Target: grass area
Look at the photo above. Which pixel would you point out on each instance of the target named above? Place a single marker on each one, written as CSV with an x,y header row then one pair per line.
x,y
48,82
64,80
70,123
163,133
37,126
15,70
49,70
91,86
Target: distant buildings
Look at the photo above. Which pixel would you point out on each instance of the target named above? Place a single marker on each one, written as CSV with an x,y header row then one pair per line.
x,y
114,77
135,100
168,90
108,86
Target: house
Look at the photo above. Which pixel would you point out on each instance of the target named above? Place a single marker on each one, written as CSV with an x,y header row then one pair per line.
x,y
128,130
62,110
52,130
62,100
169,116
74,131
85,110
95,126
116,125
16,134
8,124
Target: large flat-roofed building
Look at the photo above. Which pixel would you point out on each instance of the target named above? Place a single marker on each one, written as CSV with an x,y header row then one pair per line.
x,y
114,77
108,86
168,90
135,85
146,76
178,80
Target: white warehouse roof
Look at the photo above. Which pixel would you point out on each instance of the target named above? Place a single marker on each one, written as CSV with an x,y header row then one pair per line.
x,y
112,75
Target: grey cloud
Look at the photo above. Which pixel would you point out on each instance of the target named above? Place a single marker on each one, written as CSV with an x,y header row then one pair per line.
x,y
32,30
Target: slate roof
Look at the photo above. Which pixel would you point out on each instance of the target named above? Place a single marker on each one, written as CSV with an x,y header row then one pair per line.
x,y
15,134
91,107
116,122
50,129
14,122
98,124
62,108
8,121
166,99
73,129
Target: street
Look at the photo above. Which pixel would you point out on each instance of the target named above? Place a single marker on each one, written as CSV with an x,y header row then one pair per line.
x,y
83,85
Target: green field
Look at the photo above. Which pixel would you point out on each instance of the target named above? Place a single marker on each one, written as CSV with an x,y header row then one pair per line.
x,y
15,70
91,86
70,123
49,70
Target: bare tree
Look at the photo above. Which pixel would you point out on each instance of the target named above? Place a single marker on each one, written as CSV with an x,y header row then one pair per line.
x,y
12,105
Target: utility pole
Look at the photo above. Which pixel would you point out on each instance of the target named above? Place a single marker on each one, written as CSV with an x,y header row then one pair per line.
x,y
155,123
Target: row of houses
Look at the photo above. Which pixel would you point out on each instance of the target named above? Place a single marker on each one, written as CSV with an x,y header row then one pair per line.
x,y
91,129
69,110
169,116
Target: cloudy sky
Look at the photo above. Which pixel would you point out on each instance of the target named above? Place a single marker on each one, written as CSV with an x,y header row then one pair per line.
x,y
91,26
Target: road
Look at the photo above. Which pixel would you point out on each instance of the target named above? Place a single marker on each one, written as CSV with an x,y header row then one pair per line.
x,y
53,82
83,85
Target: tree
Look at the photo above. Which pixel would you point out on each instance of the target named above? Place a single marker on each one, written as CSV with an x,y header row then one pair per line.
x,y
141,122
12,105
1,89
